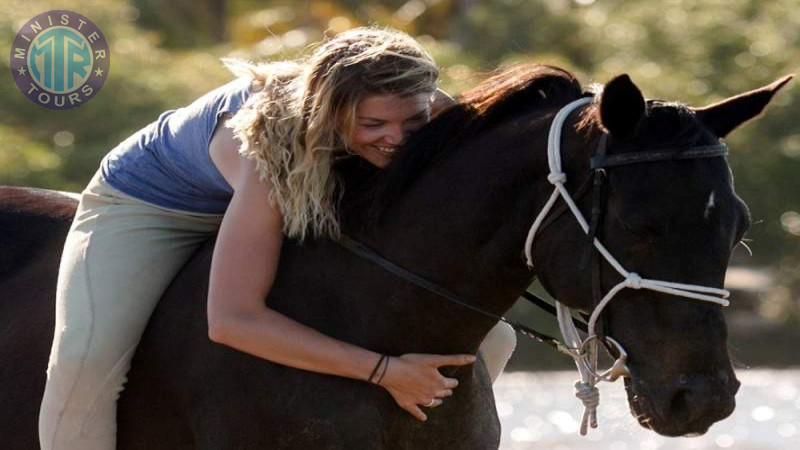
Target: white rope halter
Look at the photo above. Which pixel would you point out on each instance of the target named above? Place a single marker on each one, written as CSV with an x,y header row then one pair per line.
x,y
584,351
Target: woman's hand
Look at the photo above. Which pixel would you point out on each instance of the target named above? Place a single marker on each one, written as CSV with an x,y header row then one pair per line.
x,y
414,380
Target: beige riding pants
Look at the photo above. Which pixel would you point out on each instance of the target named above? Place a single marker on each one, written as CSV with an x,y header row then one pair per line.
x,y
119,257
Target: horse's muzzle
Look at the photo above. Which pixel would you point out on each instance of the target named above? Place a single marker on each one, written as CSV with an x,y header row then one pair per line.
x,y
685,406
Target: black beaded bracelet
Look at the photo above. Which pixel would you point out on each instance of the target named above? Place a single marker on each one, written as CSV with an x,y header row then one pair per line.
x,y
385,369
377,366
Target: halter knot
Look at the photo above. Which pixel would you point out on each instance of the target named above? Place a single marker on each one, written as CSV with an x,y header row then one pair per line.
x,y
588,394
634,281
557,178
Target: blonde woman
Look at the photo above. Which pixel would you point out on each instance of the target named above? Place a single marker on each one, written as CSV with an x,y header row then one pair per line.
x,y
251,161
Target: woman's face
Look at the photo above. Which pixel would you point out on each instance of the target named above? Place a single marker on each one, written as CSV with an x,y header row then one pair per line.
x,y
383,122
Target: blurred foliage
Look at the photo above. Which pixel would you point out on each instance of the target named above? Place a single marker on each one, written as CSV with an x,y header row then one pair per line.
x,y
166,53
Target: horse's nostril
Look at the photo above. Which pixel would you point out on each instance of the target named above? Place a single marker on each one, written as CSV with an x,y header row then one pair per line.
x,y
679,406
697,402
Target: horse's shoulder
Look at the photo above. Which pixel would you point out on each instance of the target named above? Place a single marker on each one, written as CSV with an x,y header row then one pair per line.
x,y
31,221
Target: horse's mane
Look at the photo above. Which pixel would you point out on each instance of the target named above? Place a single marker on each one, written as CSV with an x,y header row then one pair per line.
x,y
514,92
510,93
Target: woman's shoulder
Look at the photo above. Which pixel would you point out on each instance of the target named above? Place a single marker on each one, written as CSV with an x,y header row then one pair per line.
x,y
223,148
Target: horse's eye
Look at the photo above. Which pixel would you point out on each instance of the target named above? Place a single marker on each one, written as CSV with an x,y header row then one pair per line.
x,y
651,233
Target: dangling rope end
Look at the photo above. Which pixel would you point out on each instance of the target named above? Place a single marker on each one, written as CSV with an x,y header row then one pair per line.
x,y
589,395
589,420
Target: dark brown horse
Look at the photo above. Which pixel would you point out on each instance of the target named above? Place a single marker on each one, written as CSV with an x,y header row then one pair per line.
x,y
454,207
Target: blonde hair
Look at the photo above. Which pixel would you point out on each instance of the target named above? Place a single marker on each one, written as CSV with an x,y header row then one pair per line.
x,y
302,118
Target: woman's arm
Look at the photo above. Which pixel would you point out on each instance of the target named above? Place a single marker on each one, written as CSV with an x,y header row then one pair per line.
x,y
242,272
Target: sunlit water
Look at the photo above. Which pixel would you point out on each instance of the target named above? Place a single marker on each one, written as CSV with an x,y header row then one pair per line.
x,y
538,411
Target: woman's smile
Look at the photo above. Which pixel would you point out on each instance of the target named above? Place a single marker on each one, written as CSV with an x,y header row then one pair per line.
x,y
383,121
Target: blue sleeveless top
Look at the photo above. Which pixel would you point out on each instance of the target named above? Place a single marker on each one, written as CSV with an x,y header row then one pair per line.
x,y
167,162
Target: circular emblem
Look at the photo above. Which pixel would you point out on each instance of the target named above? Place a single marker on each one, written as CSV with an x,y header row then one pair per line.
x,y
60,59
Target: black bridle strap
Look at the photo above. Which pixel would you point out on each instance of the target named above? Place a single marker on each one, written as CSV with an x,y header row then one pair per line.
x,y
550,309
372,256
666,154
598,181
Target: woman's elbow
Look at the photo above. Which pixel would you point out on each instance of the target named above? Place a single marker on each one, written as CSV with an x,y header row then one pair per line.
x,y
221,322
218,329
227,326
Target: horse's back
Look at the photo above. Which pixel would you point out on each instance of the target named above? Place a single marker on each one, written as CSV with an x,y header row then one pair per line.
x,y
33,226
30,221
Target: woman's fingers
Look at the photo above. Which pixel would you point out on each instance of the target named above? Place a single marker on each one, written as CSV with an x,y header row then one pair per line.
x,y
451,360
444,393
433,403
450,383
415,382
416,412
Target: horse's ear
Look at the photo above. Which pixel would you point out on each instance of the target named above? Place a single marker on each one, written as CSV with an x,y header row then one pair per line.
x,y
723,117
621,107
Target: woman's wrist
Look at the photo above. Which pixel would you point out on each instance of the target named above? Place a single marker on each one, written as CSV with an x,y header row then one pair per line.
x,y
375,376
364,363
384,370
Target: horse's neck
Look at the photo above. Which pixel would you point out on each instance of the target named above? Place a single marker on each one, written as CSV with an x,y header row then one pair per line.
x,y
459,225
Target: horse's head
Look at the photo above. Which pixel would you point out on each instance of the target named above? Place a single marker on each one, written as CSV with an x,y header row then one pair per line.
x,y
676,220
